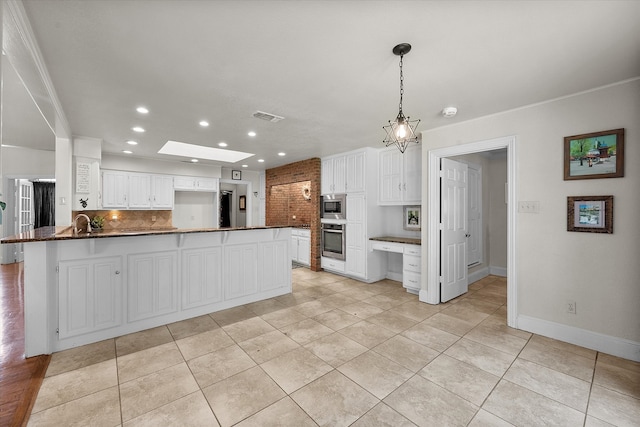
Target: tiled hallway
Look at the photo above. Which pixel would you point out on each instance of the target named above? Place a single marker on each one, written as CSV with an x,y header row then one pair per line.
x,y
338,352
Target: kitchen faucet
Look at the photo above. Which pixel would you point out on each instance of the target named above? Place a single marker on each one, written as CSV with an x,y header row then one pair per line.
x,y
75,223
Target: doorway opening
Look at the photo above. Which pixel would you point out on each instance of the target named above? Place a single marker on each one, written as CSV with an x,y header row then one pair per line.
x,y
431,233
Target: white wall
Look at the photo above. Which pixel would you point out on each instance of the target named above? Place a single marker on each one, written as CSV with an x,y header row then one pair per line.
x,y
553,266
194,209
496,175
28,162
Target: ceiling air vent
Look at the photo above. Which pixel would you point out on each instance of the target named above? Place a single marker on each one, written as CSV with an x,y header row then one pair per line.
x,y
267,116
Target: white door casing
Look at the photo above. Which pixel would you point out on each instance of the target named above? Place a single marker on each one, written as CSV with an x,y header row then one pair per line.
x,y
474,216
453,242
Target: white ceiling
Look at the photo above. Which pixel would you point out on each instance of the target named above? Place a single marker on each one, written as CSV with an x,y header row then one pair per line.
x,y
326,66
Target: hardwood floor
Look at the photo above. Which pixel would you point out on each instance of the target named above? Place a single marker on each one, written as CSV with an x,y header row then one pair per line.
x,y
20,378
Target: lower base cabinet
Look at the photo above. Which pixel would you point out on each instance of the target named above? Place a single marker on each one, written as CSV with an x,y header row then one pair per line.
x,y
201,277
152,284
301,246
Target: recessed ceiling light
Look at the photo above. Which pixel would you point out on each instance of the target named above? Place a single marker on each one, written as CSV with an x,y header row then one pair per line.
x,y
282,154
245,166
183,149
137,129
252,133
142,110
132,142
204,123
260,160
222,144
127,151
194,160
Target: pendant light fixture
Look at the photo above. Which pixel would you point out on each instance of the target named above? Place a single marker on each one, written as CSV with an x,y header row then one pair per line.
x,y
401,132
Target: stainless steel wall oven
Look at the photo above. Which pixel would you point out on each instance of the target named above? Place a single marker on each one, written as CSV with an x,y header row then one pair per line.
x,y
334,241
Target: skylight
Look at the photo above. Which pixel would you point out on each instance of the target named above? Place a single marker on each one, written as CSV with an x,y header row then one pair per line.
x,y
175,148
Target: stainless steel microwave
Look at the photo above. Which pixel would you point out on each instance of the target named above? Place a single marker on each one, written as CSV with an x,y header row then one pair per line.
x,y
334,206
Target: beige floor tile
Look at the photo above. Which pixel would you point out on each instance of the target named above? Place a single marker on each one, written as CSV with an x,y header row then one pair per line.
x,y
336,319
430,336
266,347
555,385
285,412
336,349
560,360
292,299
367,334
618,378
194,326
481,356
338,300
451,324
219,365
382,416
406,352
242,395
79,357
394,321
98,409
206,342
306,331
359,294
619,362
464,310
595,422
72,385
464,380
497,339
616,408
480,305
144,362
295,369
232,315
191,410
523,407
487,419
265,307
334,400
313,308
500,323
383,301
375,373
416,310
362,309
246,329
284,317
427,404
565,346
142,340
152,391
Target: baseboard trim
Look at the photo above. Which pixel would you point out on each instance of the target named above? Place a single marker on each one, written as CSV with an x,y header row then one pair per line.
x,y
498,271
478,274
615,346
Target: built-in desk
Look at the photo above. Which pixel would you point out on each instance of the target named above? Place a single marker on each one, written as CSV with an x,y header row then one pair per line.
x,y
411,257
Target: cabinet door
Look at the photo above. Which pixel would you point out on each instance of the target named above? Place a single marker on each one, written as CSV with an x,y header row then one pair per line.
x,y
152,284
326,183
207,184
355,172
304,250
115,189
412,172
274,265
201,276
339,175
356,236
241,270
294,248
390,177
89,296
139,191
162,192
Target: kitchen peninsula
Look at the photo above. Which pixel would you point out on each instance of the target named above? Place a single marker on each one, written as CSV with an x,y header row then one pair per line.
x,y
81,288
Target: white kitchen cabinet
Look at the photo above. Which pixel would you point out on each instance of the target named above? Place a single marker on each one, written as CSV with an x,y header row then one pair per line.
x,y
411,271
334,177
201,276
400,176
274,268
301,246
355,172
192,183
356,236
139,191
115,189
241,270
89,295
162,192
334,265
207,184
152,284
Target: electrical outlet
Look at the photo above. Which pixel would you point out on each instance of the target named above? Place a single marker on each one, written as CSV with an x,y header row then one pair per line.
x,y
571,307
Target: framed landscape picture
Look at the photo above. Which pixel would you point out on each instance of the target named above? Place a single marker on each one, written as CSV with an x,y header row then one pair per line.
x,y
591,214
594,155
412,218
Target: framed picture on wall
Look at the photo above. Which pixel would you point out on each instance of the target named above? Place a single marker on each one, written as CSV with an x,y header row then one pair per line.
x,y
242,203
591,214
594,155
236,174
412,218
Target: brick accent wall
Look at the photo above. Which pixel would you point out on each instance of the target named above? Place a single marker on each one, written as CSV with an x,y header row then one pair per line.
x,y
284,200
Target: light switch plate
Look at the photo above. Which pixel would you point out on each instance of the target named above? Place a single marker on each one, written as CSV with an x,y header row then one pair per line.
x,y
529,207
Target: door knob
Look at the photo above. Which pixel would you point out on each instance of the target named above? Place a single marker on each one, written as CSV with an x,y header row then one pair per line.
x,y
467,235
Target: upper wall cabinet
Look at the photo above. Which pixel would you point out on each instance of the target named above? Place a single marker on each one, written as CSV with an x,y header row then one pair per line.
x,y
126,190
191,183
115,189
344,173
400,176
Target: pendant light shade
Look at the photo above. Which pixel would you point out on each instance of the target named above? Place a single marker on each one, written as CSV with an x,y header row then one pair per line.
x,y
401,131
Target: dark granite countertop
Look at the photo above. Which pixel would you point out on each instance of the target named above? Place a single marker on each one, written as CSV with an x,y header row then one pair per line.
x,y
66,233
393,239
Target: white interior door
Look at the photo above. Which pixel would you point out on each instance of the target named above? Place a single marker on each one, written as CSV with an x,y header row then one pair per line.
x,y
453,242
24,217
474,206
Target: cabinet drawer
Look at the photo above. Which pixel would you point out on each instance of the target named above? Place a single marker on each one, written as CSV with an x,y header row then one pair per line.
x,y
389,247
411,263
413,250
411,280
333,265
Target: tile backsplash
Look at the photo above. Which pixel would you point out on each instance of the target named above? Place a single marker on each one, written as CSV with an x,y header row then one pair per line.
x,y
126,219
